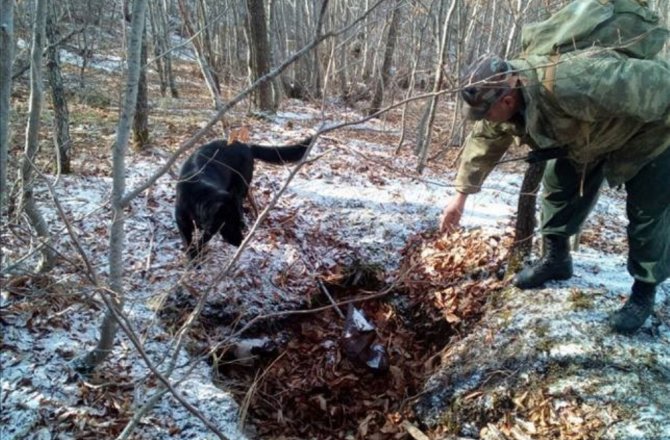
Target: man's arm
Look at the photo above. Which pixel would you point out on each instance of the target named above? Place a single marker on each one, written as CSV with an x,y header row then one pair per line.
x,y
483,149
451,215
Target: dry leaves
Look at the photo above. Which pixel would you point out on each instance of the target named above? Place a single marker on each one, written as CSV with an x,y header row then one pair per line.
x,y
311,390
450,277
539,415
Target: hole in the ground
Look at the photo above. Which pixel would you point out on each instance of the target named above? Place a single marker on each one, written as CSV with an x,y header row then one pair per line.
x,y
302,384
292,377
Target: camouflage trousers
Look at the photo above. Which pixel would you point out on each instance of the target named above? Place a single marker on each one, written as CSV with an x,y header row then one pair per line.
x,y
570,193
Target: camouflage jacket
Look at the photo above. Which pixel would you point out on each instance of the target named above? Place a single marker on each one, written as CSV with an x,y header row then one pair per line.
x,y
599,106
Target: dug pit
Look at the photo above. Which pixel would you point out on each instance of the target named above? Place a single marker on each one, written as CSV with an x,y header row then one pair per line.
x,y
293,376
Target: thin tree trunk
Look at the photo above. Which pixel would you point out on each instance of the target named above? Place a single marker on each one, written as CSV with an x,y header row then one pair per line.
x,y
368,54
426,127
492,26
342,70
212,60
141,119
517,16
165,36
6,58
317,75
385,74
457,123
412,83
203,63
109,325
260,55
27,202
158,46
525,218
62,139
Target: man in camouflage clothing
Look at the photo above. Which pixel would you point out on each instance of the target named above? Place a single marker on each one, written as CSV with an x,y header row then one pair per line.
x,y
605,116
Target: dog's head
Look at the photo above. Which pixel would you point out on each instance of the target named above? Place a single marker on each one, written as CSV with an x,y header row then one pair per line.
x,y
232,233
226,212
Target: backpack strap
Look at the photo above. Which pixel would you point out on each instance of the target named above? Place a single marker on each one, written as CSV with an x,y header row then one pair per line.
x,y
550,73
584,127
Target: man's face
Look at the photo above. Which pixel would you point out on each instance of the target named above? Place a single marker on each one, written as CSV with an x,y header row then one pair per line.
x,y
504,108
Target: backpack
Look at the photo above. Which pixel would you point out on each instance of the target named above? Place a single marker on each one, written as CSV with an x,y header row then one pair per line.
x,y
627,26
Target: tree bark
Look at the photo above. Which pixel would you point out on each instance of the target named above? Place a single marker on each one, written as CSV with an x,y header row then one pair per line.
x,y
525,217
159,48
426,127
6,58
27,200
165,36
203,62
109,325
62,140
384,78
411,82
141,119
260,56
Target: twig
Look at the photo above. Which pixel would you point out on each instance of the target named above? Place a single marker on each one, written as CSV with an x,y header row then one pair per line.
x,y
137,416
244,407
325,291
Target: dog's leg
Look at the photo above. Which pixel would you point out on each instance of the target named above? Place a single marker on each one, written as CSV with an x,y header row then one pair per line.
x,y
186,228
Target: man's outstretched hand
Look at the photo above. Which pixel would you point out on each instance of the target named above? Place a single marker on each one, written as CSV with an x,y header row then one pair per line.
x,y
451,215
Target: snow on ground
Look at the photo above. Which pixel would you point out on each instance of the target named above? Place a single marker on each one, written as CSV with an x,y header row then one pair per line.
x,y
343,206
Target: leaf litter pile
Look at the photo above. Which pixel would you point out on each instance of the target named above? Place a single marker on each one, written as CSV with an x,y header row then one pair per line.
x,y
299,382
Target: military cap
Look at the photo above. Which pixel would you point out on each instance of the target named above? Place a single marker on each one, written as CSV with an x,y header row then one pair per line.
x,y
483,84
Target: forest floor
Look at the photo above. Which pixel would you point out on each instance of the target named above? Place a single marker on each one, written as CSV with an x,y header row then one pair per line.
x,y
468,356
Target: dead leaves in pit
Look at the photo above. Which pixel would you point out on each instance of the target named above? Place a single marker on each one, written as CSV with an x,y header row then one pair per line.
x,y
449,278
311,390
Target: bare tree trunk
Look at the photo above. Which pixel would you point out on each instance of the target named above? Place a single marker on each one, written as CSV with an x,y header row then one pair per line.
x,y
158,45
6,58
109,325
411,84
492,26
165,36
202,13
62,139
27,202
141,119
342,70
260,55
426,128
517,15
525,217
385,74
317,74
368,53
203,62
457,122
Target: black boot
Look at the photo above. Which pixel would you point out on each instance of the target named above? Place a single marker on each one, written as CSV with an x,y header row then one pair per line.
x,y
637,309
556,264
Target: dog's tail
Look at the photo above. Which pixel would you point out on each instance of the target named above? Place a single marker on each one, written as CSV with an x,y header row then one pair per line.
x,y
279,155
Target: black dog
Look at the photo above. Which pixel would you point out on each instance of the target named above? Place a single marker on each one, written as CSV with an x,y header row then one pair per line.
x,y
212,185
